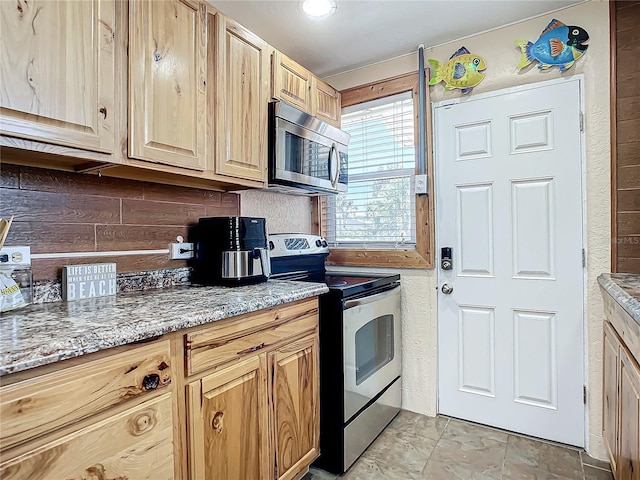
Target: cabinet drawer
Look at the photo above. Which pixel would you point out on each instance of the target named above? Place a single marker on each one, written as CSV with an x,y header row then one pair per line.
x,y
233,339
136,444
42,404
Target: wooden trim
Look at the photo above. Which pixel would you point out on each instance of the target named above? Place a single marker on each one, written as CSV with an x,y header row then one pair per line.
x,y
423,255
318,217
380,89
614,137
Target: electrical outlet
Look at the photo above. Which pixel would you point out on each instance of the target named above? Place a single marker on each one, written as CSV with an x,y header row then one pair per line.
x,y
15,256
421,184
181,251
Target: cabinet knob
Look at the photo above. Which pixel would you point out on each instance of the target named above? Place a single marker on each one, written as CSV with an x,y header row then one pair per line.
x,y
217,422
151,382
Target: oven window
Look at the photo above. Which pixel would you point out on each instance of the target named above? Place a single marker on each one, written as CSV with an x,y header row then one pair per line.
x,y
374,347
306,157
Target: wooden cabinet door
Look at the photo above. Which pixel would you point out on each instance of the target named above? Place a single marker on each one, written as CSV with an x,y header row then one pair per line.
x,y
57,67
291,82
326,103
228,423
611,379
136,444
628,464
295,397
167,81
241,107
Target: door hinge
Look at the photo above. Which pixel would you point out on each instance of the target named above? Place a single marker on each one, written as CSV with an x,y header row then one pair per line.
x,y
584,394
581,122
584,258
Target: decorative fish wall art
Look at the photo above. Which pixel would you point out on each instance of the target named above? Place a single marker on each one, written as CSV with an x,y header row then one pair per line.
x,y
559,45
461,71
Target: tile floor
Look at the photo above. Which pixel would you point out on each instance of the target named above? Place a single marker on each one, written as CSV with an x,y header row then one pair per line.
x,y
418,447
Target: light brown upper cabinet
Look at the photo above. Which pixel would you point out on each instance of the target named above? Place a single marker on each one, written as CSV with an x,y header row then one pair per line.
x,y
326,102
291,82
242,94
58,66
167,82
297,86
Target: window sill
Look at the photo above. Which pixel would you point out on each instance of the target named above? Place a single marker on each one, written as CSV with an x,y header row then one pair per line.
x,y
378,258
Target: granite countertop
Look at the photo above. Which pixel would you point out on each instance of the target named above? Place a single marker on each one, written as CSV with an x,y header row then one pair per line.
x,y
625,289
42,334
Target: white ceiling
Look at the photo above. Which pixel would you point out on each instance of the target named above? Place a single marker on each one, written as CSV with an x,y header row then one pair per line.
x,y
362,32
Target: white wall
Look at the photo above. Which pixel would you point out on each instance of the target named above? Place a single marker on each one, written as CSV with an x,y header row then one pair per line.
x,y
419,286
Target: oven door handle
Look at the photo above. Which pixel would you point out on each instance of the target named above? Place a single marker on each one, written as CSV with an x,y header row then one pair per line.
x,y
370,299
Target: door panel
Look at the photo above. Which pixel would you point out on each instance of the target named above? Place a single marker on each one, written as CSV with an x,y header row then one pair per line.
x,y
241,108
509,202
477,350
473,141
533,220
474,207
531,132
228,423
58,70
291,82
167,78
326,102
296,418
534,358
629,460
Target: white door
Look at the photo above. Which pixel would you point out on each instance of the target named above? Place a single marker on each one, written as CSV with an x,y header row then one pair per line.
x,y
509,204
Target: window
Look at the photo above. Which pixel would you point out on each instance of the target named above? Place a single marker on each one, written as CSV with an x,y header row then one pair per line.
x,y
380,221
379,206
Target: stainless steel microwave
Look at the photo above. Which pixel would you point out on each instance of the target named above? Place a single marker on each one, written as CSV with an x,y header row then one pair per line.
x,y
306,155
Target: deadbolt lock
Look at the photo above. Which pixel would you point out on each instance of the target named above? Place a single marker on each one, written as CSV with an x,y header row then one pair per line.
x,y
446,260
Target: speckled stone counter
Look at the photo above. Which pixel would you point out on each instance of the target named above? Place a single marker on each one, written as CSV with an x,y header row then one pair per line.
x,y
42,334
625,289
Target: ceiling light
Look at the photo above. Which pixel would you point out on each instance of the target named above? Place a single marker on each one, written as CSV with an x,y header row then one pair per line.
x,y
318,8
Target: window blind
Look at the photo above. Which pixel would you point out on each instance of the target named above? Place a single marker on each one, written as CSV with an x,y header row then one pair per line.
x,y
379,209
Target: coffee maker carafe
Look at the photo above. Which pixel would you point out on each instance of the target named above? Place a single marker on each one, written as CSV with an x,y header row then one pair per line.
x,y
231,251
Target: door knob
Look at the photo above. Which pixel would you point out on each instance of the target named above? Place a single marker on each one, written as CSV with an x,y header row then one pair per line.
x,y
447,289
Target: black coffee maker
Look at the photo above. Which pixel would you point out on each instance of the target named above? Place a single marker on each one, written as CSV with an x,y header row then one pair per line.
x,y
231,251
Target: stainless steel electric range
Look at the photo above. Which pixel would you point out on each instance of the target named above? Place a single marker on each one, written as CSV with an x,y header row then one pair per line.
x,y
360,355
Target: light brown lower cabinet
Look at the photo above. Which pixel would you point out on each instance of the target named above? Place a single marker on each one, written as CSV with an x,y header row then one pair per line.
x,y
296,414
245,407
263,410
228,423
621,414
629,454
134,444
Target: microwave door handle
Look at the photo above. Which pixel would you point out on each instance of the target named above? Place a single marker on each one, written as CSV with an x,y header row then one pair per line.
x,y
334,165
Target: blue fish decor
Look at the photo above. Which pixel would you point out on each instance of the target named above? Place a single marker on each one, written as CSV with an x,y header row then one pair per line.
x,y
559,45
463,71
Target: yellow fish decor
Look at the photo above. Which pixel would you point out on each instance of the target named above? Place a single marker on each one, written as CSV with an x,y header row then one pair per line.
x,y
559,45
461,71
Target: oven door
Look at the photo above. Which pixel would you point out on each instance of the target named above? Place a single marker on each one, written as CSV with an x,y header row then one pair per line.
x,y
309,160
372,357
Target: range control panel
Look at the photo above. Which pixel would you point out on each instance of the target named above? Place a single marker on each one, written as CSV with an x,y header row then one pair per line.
x,y
288,244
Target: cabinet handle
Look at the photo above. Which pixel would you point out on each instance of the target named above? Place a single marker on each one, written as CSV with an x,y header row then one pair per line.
x,y
251,349
217,422
103,111
151,382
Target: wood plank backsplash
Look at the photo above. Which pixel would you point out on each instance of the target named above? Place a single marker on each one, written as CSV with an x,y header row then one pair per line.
x,y
626,206
60,212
